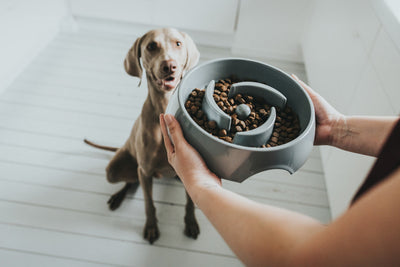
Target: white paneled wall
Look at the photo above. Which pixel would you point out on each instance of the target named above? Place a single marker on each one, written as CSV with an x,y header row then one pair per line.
x,y
272,29
354,63
385,57
369,97
335,49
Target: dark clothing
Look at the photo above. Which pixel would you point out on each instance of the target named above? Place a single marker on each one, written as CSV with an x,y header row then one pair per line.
x,y
388,160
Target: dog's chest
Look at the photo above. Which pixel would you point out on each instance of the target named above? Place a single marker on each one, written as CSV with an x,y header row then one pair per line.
x,y
151,153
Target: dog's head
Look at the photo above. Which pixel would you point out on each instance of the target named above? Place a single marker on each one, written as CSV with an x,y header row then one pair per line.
x,y
166,55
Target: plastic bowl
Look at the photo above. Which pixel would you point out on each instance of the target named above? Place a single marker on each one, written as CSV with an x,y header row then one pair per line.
x,y
236,162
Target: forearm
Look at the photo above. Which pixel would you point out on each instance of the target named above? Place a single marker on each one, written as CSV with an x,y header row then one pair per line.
x,y
257,234
364,135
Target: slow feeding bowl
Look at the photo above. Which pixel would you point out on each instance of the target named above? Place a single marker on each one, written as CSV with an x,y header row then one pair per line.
x,y
243,158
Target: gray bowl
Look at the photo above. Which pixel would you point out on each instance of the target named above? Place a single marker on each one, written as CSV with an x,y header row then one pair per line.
x,y
236,162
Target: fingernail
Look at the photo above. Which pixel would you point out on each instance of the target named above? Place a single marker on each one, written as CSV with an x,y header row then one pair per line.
x,y
168,118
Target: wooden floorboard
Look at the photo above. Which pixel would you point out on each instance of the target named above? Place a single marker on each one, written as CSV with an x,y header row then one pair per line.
x,y
53,190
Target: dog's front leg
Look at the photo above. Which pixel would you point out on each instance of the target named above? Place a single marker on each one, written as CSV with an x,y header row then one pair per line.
x,y
150,231
191,226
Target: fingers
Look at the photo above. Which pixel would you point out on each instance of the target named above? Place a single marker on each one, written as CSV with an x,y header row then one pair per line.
x,y
175,130
167,142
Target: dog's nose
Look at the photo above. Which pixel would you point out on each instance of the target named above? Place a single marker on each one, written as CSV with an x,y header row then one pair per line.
x,y
168,66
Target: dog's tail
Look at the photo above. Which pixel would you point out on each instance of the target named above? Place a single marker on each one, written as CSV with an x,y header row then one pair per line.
x,y
109,148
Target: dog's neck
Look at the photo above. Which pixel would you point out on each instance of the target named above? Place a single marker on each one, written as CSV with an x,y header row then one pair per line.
x,y
157,99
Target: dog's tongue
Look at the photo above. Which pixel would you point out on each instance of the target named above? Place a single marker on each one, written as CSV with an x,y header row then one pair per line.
x,y
169,83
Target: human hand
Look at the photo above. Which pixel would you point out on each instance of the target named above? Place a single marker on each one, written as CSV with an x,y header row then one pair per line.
x,y
187,162
330,124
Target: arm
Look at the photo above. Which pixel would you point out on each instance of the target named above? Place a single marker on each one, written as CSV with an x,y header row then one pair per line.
x,y
364,135
368,234
359,134
262,235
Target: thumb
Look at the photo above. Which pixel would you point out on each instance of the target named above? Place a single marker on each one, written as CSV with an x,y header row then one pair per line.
x,y
174,129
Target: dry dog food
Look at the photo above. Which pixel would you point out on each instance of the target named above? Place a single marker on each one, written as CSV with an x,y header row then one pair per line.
x,y
286,128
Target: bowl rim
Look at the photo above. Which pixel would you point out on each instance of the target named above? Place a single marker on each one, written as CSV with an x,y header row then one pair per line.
x,y
308,128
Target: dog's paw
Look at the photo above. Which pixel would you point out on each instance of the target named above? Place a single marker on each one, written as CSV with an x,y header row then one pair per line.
x,y
192,229
151,233
115,200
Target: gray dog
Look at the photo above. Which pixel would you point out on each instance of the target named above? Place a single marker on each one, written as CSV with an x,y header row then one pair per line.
x,y
167,54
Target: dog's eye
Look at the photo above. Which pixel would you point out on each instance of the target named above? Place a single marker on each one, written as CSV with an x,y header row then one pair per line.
x,y
152,46
178,43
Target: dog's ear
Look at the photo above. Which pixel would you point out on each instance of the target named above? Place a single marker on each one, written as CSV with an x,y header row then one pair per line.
x,y
192,53
132,59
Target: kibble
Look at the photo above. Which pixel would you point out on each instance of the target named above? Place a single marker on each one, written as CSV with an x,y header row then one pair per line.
x,y
212,125
286,127
222,132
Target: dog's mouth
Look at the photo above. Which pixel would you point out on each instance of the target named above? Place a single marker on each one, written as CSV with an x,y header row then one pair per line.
x,y
169,82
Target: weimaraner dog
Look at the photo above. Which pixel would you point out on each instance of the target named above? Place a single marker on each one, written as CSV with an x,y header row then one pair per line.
x,y
167,54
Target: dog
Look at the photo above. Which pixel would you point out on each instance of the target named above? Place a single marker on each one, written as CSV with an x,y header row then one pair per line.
x,y
166,54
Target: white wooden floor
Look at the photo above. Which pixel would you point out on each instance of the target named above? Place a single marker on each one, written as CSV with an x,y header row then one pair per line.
x,y
53,190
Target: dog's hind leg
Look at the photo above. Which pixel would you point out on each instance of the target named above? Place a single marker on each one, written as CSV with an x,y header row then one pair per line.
x,y
116,199
123,167
150,231
191,226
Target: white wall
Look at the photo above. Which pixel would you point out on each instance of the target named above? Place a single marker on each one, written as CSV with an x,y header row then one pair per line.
x,y
205,15
354,63
209,22
271,28
25,28
257,28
